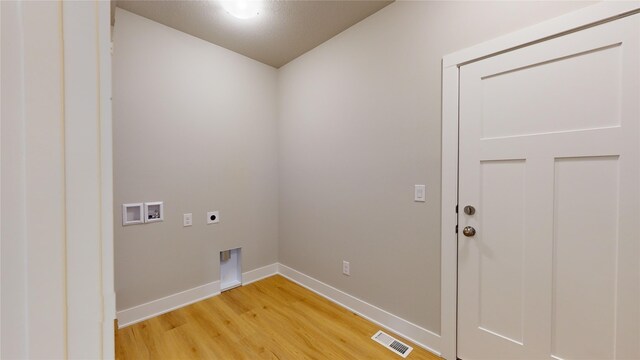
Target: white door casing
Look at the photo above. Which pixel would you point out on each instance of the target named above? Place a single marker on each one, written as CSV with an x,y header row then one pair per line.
x,y
550,158
61,213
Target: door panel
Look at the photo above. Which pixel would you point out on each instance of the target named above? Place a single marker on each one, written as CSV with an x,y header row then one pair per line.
x,y
501,218
556,81
550,158
585,245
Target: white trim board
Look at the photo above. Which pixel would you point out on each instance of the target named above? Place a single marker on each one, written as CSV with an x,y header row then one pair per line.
x,y
175,301
412,332
588,16
166,304
591,15
259,273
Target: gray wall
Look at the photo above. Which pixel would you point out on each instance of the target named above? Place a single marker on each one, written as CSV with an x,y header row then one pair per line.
x,y
194,126
309,165
359,125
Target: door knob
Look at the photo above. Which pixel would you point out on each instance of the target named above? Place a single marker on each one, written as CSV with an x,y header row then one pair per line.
x,y
468,231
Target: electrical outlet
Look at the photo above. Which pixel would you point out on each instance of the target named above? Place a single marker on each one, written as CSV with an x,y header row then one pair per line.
x,y
187,219
213,217
346,268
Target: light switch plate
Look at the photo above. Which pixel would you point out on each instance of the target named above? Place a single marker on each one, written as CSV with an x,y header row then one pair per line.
x,y
346,268
187,219
420,193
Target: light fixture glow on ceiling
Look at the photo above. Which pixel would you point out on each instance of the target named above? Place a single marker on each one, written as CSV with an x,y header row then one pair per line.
x,y
242,9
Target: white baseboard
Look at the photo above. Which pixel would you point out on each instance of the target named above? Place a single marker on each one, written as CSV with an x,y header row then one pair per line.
x,y
168,303
418,335
175,301
259,273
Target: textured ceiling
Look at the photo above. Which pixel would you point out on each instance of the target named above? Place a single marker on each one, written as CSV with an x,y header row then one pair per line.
x,y
283,31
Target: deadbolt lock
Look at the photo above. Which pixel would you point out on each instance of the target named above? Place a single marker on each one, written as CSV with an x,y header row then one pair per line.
x,y
469,210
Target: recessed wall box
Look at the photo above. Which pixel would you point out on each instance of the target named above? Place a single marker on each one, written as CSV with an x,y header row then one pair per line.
x,y
230,269
132,214
153,211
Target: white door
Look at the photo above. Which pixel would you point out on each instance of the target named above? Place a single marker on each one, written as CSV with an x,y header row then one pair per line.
x,y
550,160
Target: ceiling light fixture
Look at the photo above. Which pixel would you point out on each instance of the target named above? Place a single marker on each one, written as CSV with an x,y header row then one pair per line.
x,y
242,9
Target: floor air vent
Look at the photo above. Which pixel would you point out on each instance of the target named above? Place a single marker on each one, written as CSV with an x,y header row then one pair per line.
x,y
392,344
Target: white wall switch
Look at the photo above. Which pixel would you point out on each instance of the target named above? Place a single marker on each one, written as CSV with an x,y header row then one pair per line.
x,y
346,268
420,193
213,217
187,219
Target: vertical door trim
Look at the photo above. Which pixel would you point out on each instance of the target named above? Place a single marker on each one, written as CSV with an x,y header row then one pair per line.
x,y
587,17
88,172
106,181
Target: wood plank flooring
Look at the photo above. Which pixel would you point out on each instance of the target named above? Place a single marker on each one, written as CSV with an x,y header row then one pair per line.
x,y
270,319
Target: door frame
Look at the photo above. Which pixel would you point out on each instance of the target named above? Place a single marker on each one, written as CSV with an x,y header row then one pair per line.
x,y
89,266
589,16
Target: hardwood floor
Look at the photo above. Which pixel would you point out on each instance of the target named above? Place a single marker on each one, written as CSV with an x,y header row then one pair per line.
x,y
270,319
